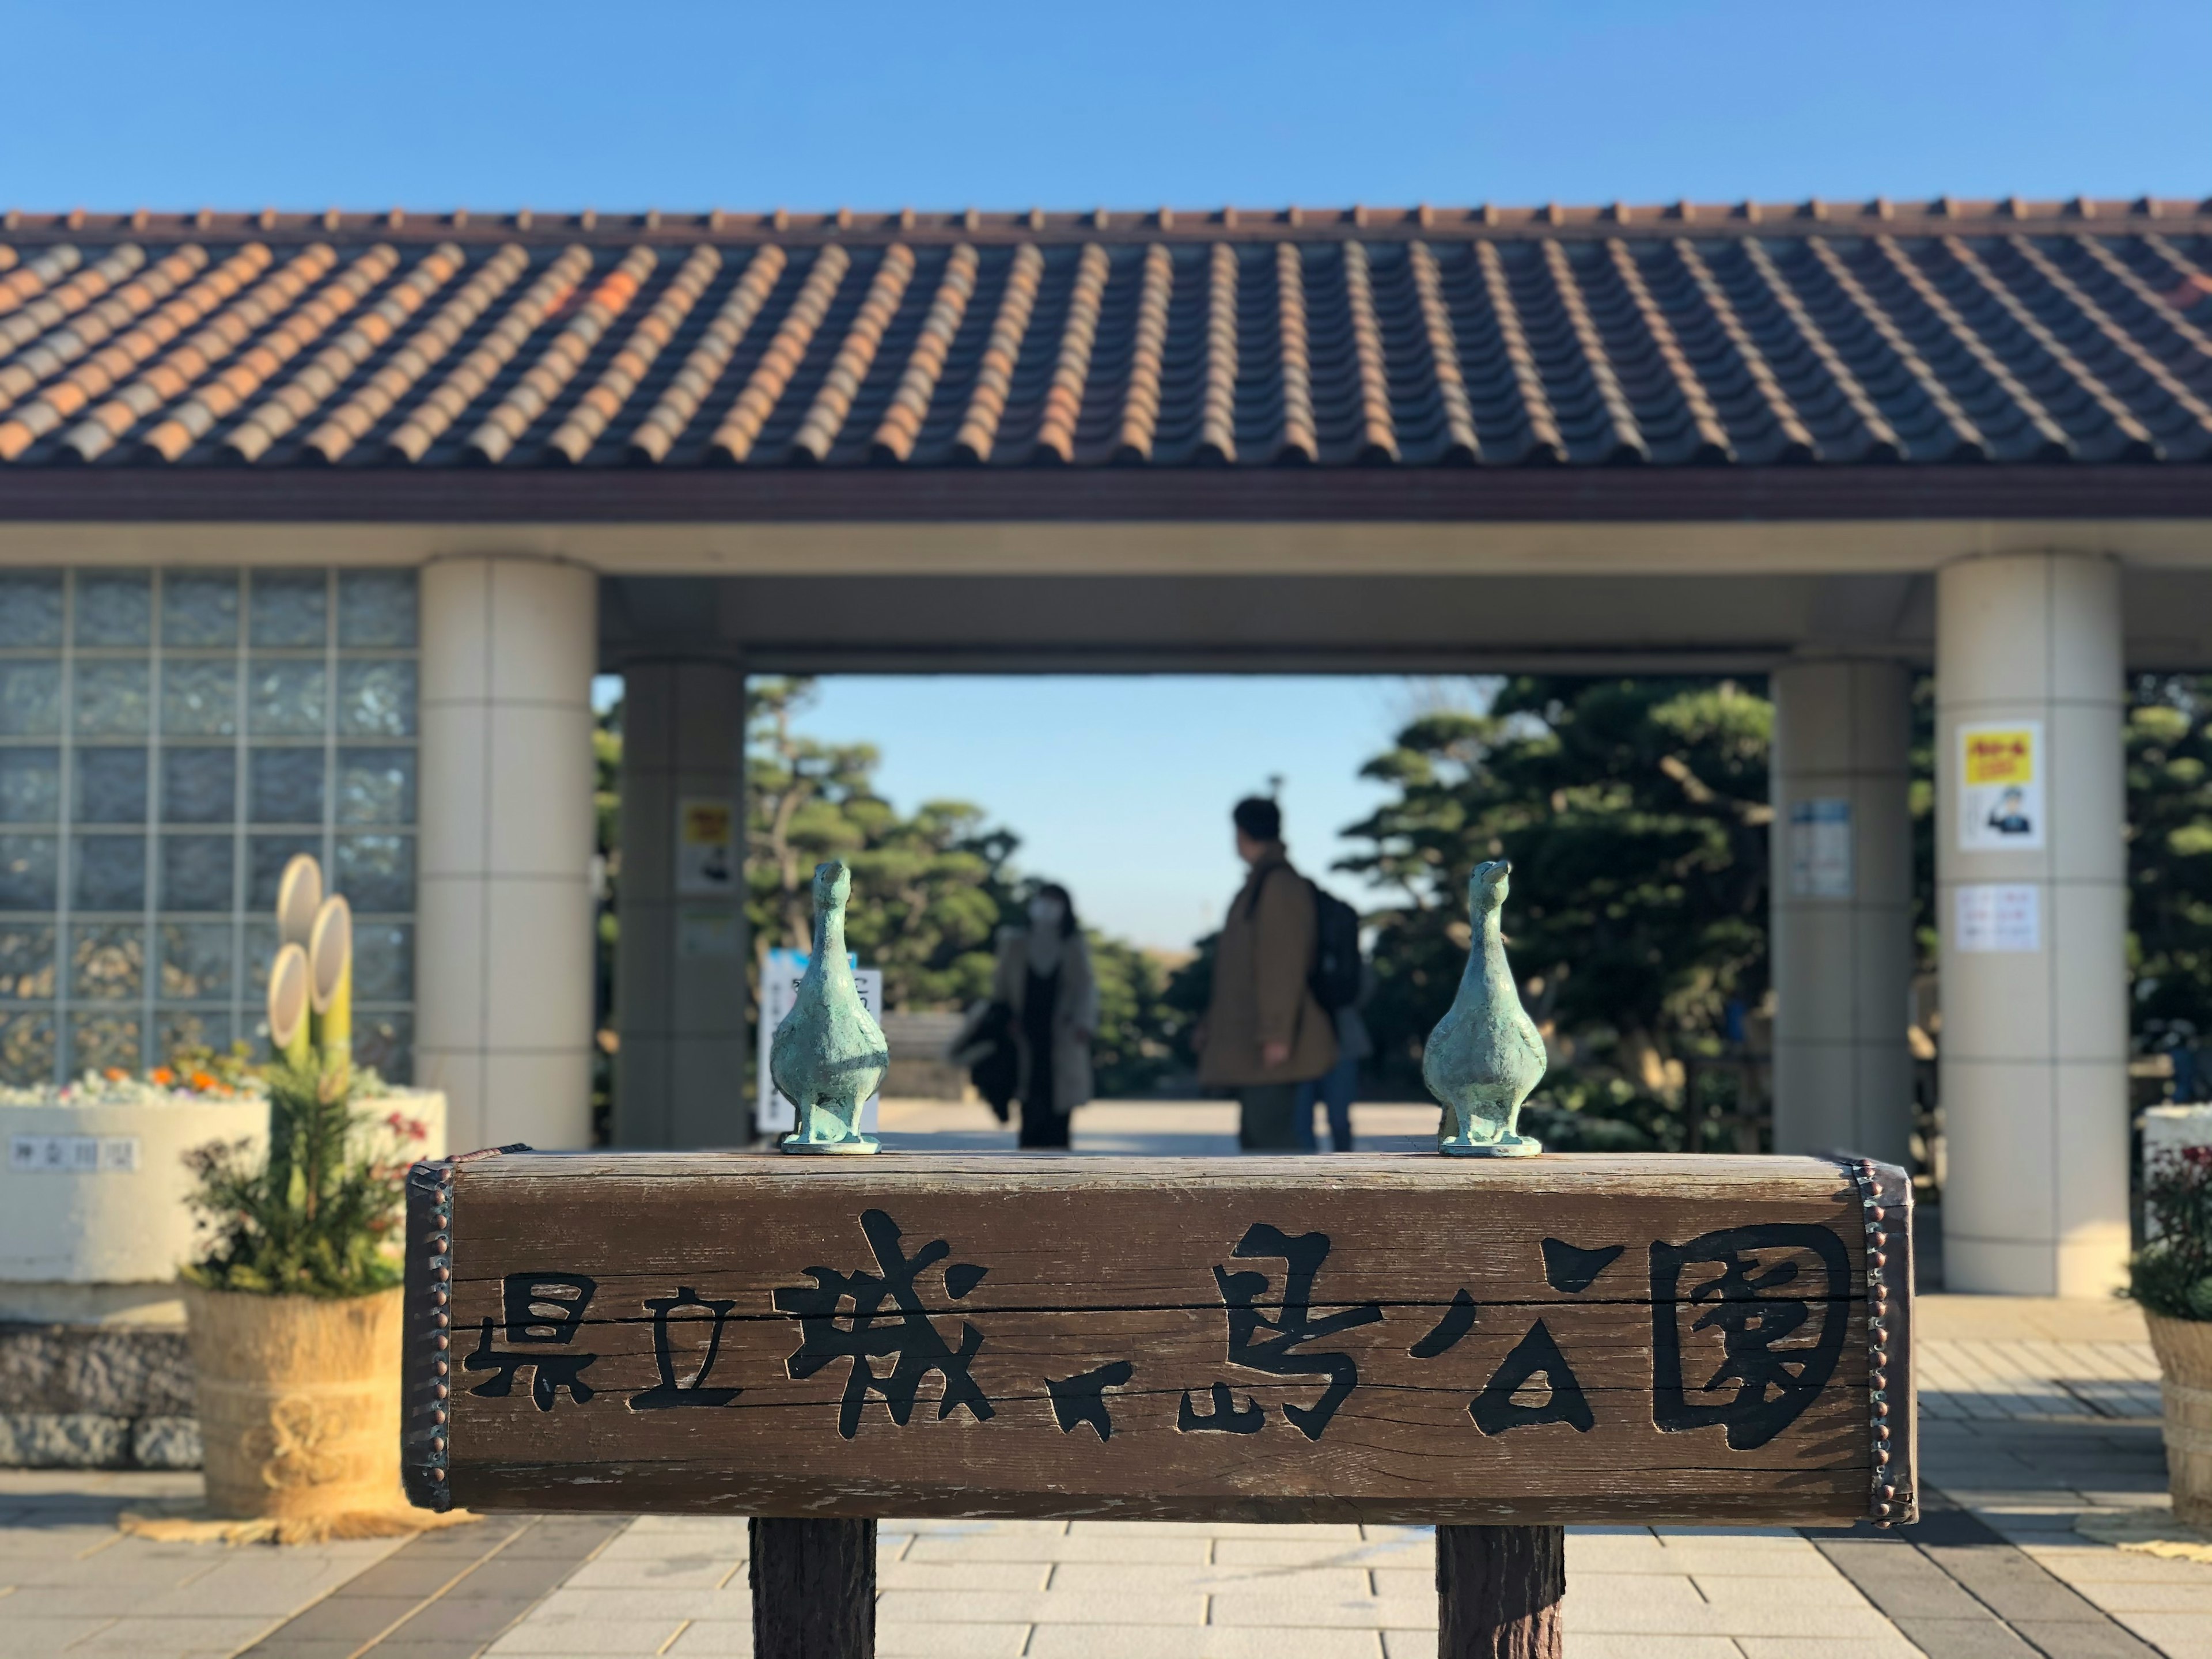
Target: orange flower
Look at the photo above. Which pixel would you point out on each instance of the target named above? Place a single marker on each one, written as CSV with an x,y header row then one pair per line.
x,y
162,1075
203,1081
115,1074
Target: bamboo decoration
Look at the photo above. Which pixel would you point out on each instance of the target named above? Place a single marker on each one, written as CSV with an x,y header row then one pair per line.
x,y
298,897
288,998
311,982
330,980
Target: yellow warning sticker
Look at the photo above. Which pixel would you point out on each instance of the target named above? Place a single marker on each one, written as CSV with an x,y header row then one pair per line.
x,y
1998,755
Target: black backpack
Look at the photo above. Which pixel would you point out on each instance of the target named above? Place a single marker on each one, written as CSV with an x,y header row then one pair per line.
x,y
1333,978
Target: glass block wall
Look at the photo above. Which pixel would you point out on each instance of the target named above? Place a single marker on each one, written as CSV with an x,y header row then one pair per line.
x,y
168,739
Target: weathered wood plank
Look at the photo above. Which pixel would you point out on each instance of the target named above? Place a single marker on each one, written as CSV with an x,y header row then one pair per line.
x,y
1385,1337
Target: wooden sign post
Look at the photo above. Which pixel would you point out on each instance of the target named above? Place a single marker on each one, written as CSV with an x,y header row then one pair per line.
x,y
1498,1347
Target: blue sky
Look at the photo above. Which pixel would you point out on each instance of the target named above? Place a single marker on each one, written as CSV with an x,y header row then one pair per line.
x,y
557,104
1116,786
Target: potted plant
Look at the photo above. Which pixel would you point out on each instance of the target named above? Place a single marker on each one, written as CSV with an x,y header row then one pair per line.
x,y
293,1306
2170,1276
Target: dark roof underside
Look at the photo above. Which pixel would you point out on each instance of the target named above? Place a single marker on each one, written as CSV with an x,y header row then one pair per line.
x,y
1943,334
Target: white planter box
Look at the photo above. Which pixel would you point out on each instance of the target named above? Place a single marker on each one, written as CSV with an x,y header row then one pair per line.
x,y
93,1221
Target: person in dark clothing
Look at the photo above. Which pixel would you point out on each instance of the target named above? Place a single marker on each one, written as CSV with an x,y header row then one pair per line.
x,y
1044,979
1264,1033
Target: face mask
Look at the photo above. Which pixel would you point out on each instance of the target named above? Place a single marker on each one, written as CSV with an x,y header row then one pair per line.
x,y
1046,913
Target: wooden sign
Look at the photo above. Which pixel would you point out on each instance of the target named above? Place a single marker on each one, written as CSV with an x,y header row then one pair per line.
x,y
1384,1337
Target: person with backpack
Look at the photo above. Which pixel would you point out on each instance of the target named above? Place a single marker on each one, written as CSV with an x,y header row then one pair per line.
x,y
1265,1031
1340,1085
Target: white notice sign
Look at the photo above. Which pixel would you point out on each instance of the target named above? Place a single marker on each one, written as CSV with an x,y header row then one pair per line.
x,y
772,1113
2000,787
1991,916
73,1154
1820,848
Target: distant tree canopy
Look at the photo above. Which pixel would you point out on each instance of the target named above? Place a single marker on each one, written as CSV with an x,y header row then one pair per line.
x,y
1636,814
928,890
2169,760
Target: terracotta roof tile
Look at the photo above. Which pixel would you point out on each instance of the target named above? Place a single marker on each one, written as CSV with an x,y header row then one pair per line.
x,y
556,365
600,405
1966,441
63,398
1141,407
1609,415
51,352
228,391
987,402
33,277
330,367
1713,443
1464,443
429,418
2138,443
1055,438
1746,335
1297,441
169,375
825,417
1217,433
734,439
1880,439
668,417
1378,433
909,403
1540,437
420,351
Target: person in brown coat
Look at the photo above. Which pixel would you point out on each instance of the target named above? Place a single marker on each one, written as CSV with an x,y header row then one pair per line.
x,y
1264,1032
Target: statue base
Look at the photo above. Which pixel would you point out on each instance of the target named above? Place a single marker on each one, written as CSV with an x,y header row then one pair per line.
x,y
1504,1146
858,1145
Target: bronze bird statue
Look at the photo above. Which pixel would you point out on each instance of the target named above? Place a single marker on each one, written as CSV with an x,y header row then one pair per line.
x,y
1485,1055
829,1055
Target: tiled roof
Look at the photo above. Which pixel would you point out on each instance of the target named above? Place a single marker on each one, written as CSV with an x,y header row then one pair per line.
x,y
1925,332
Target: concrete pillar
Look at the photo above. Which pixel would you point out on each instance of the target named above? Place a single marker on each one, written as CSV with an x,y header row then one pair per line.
x,y
680,967
503,952
2032,902
1842,934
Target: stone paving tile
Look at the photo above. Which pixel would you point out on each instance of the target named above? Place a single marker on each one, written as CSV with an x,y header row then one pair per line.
x,y
944,1642
598,1605
2179,1636
541,1636
32,1636
1180,1545
903,1607
1287,1608
203,1634
1222,1579
2086,1564
992,1575
1326,1553
1886,1646
1613,1647
1174,1641
732,1638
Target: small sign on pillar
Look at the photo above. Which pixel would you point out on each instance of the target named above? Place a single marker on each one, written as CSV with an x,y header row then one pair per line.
x,y
2000,787
706,865
1820,848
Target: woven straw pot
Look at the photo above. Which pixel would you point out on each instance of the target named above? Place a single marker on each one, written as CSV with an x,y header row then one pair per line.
x,y
2184,1359
299,1402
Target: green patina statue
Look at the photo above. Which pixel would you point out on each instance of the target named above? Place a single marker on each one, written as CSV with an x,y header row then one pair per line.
x,y
1485,1055
829,1055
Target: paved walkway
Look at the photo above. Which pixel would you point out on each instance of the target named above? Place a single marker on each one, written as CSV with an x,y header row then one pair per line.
x,y
2033,1414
